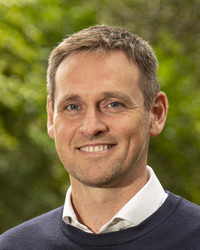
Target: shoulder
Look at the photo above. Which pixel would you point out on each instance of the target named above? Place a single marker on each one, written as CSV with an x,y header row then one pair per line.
x,y
185,213
31,231
185,206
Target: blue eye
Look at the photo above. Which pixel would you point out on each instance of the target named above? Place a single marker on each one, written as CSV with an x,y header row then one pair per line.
x,y
114,104
73,107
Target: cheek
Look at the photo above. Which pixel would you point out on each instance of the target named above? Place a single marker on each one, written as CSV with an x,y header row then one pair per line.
x,y
127,128
134,132
65,130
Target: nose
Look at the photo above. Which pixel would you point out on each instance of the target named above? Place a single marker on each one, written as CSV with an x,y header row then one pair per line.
x,y
92,123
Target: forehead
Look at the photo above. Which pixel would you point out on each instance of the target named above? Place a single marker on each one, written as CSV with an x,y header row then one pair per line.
x,y
96,71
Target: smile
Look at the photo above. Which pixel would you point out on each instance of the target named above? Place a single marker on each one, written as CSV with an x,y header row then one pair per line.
x,y
94,149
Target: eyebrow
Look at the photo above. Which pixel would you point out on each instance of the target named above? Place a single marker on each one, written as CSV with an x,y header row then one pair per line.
x,y
118,95
66,98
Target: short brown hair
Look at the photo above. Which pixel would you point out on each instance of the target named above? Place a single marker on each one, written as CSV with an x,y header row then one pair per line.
x,y
108,38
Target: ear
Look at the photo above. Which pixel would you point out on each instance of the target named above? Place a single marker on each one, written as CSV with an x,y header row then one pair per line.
x,y
158,114
50,120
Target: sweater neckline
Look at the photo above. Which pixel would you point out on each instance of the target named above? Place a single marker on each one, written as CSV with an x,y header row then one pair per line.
x,y
126,235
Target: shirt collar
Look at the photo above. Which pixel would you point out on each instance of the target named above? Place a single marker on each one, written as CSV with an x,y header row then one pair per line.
x,y
140,207
145,202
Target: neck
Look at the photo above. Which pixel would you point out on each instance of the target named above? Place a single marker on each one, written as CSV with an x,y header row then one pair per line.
x,y
94,207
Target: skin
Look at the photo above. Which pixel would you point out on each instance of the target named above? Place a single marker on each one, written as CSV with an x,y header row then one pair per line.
x,y
101,130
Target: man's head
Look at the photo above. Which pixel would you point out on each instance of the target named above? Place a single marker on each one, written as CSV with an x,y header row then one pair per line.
x,y
107,38
103,105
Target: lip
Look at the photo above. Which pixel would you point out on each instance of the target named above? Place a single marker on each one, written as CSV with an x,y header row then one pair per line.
x,y
96,148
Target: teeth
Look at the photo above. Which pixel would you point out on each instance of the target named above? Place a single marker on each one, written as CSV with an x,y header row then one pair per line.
x,y
91,149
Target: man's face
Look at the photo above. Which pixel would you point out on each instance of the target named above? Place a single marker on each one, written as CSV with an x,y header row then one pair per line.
x,y
99,122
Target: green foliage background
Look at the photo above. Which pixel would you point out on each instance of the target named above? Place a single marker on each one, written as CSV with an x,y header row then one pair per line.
x,y
32,179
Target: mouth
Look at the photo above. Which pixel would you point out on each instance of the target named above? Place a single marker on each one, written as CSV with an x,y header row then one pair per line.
x,y
96,148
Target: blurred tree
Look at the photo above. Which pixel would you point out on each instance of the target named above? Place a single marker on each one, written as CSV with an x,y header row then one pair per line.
x,y
32,179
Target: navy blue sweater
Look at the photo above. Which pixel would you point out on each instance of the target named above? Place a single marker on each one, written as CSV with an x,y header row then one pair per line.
x,y
175,225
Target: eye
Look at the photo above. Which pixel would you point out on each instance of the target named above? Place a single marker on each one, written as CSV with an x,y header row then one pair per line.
x,y
113,107
114,104
73,107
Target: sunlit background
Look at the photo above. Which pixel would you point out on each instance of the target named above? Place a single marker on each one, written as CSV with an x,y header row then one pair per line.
x,y
32,179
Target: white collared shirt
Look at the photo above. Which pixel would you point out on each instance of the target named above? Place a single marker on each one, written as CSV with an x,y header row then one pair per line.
x,y
139,208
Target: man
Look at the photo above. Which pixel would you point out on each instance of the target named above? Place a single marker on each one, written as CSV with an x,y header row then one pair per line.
x,y
104,103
